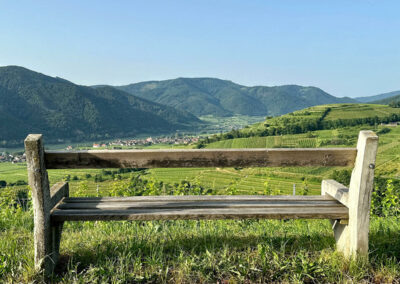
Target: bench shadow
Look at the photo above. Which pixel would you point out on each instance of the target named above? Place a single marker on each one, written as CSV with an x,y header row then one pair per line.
x,y
384,246
89,256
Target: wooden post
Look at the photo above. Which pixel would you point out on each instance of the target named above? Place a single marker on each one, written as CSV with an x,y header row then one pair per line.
x,y
46,234
352,238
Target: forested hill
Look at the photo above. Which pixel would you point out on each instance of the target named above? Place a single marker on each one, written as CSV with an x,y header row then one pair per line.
x,y
204,96
394,100
378,98
31,102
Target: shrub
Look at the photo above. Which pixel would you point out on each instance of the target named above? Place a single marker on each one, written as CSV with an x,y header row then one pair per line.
x,y
342,176
384,130
385,197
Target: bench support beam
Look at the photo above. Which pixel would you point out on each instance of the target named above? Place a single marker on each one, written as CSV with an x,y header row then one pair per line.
x,y
46,234
352,238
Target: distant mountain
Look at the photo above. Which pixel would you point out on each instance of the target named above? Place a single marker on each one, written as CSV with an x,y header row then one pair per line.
x,y
377,97
394,99
204,96
31,102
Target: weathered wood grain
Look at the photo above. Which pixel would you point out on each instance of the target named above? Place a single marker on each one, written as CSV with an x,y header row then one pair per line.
x,y
183,158
44,233
190,204
57,192
360,191
198,207
184,198
352,239
336,190
315,212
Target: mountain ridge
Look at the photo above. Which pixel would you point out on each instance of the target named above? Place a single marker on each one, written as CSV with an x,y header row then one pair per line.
x,y
377,98
386,101
206,95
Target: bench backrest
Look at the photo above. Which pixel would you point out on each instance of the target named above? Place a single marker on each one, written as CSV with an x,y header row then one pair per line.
x,y
200,158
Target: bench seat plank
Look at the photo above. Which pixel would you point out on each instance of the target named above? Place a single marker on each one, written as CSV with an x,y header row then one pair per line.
x,y
159,198
179,207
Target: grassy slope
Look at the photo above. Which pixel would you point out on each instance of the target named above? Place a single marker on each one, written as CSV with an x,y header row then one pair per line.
x,y
338,111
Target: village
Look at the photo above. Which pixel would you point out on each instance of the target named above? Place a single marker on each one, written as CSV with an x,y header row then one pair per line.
x,y
186,140
13,158
116,144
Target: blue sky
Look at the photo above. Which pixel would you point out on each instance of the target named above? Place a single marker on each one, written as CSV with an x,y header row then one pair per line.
x,y
347,48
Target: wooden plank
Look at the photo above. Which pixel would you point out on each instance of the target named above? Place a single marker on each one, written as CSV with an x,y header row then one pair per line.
x,y
360,191
197,204
352,239
339,212
45,241
161,198
57,192
184,158
336,190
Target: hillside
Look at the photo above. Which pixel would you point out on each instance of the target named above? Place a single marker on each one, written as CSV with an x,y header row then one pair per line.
x,y
35,103
210,96
394,99
377,98
315,118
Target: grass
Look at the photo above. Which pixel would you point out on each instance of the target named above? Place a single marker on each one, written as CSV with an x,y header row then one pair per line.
x,y
224,251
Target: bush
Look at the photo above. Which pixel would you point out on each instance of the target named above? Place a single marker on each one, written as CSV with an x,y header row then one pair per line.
x,y
342,176
385,197
384,130
137,186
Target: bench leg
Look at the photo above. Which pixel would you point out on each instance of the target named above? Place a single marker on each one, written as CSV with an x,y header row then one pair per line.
x,y
46,235
342,237
56,229
352,238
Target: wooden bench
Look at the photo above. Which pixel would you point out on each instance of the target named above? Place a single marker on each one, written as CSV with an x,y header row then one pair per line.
x,y
347,208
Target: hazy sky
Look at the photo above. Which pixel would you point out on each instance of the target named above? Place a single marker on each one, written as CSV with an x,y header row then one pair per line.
x,y
347,48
